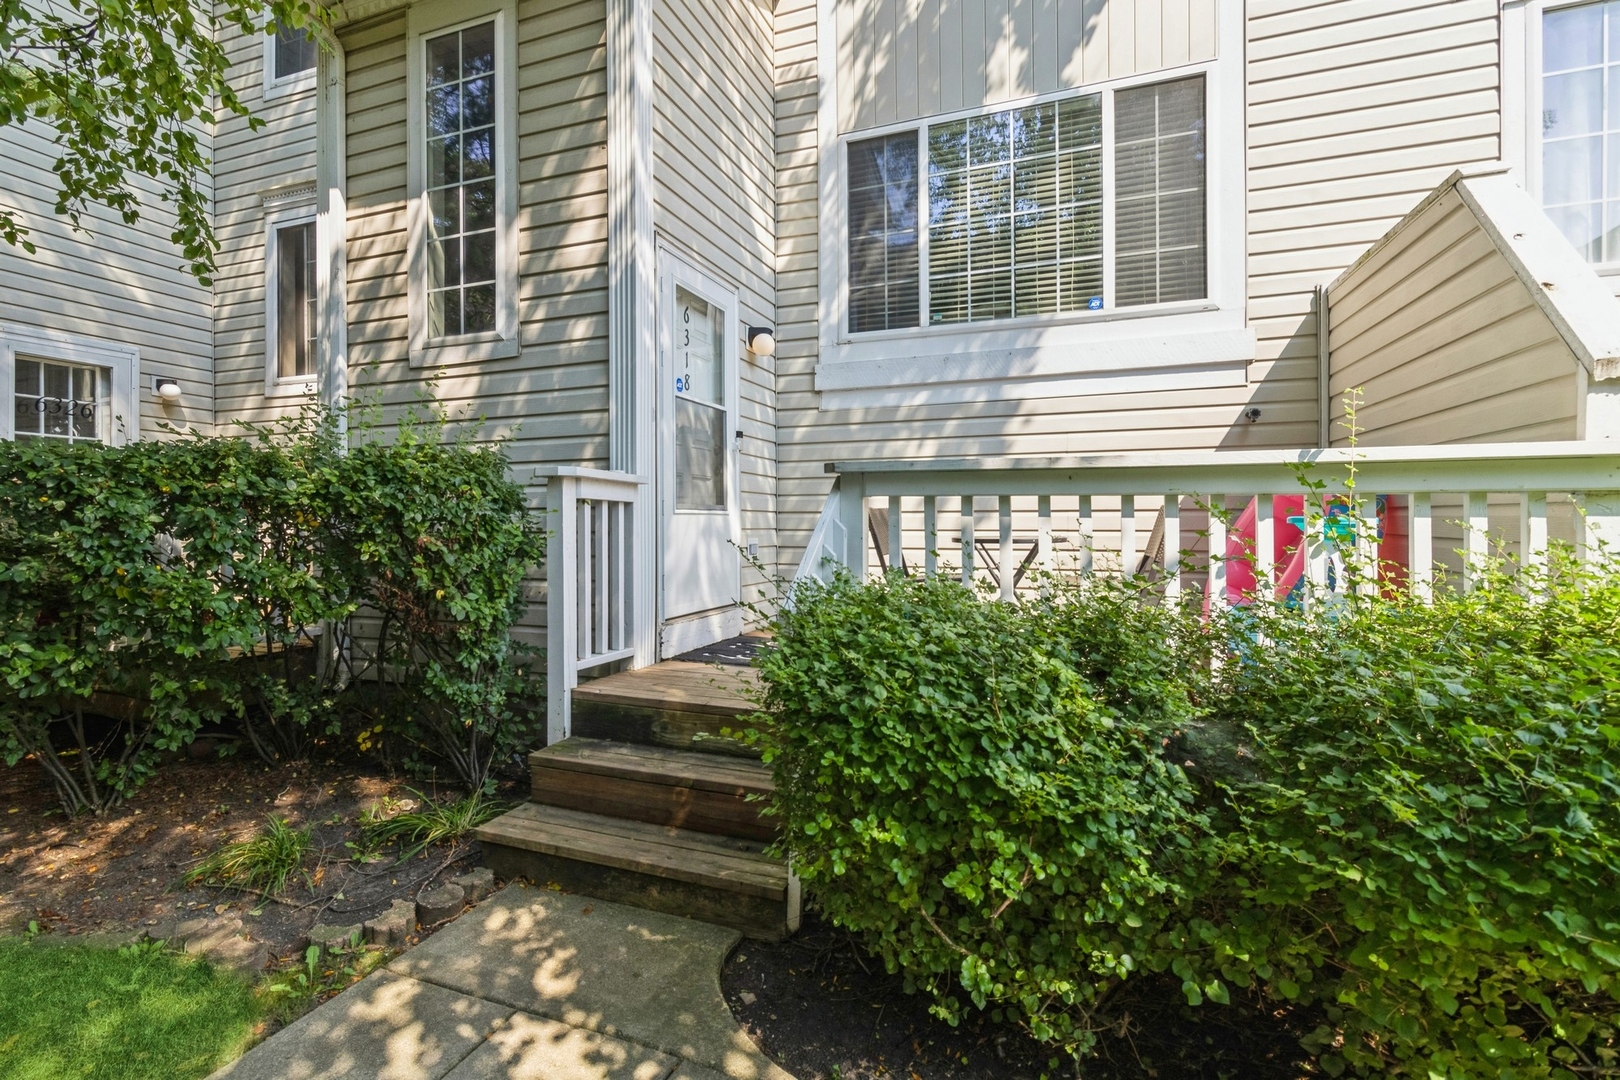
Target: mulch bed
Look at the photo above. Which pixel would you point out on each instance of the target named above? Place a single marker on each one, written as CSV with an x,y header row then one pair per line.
x,y
124,871
824,1010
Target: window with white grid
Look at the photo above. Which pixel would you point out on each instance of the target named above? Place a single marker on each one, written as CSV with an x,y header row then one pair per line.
x,y
62,401
460,134
1016,207
1580,126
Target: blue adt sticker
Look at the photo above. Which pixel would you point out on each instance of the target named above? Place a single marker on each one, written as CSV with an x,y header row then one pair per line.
x,y
1095,304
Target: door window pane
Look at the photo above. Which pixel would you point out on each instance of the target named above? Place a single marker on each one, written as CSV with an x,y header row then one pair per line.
x,y
1580,125
460,159
295,301
1159,189
700,456
54,400
699,338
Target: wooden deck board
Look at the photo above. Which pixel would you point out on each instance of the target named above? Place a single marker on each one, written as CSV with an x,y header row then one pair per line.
x,y
734,865
677,684
672,768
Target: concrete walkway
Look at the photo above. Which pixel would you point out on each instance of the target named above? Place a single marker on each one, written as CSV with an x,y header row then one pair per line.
x,y
530,985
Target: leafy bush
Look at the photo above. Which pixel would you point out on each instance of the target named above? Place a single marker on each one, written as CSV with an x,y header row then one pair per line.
x,y
272,577
1404,818
264,863
1428,842
951,787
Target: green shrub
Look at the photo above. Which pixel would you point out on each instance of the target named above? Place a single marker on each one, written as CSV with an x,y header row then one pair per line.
x,y
272,577
435,823
951,787
1427,841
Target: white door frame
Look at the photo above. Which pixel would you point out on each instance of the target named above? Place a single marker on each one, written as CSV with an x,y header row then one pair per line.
x,y
677,268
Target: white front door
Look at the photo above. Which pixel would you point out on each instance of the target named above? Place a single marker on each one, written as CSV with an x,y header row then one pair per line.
x,y
698,466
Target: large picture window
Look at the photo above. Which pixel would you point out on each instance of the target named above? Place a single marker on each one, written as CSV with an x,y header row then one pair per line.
x,y
1015,204
1580,126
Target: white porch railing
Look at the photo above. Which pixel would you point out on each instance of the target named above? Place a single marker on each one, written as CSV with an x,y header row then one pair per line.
x,y
1417,508
590,571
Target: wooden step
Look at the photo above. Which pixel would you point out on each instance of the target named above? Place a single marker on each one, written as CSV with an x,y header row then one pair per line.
x,y
712,878
676,704
679,788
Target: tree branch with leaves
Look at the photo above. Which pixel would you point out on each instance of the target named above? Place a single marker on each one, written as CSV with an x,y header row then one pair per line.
x,y
130,88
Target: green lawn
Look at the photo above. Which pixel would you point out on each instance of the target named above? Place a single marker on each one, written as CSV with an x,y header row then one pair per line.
x,y
128,1014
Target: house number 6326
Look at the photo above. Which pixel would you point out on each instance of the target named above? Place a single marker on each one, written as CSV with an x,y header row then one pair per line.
x,y
56,407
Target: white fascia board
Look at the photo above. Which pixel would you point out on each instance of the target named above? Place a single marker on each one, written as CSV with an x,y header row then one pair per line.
x,y
1564,285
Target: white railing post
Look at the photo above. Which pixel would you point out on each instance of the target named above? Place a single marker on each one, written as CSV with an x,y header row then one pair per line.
x,y
930,535
591,608
1599,528
1006,561
1476,544
1533,529
1420,547
1087,535
852,515
967,540
1127,536
897,534
1216,588
1043,536
1171,515
1265,545
561,599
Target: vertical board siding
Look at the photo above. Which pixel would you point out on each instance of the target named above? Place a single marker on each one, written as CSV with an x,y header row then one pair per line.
x,y
714,201
247,164
1444,342
903,59
121,283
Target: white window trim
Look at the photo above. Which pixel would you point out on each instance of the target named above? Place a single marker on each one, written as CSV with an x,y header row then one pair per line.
x,y
298,83
297,209
1521,96
1020,358
430,20
122,362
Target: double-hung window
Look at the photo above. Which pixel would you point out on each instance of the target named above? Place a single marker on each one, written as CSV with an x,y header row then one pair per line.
x,y
1084,202
463,247
291,310
289,61
1580,126
66,388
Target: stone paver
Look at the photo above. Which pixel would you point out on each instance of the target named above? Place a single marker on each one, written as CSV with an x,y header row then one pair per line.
x,y
530,985
385,1026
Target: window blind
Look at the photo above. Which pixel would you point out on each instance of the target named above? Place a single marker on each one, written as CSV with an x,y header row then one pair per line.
x,y
1015,213
1159,186
883,287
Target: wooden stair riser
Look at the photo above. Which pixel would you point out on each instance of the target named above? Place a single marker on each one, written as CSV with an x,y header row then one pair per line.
x,y
721,813
647,725
756,916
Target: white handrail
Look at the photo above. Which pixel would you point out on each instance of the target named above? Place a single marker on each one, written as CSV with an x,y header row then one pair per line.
x,y
590,574
1584,475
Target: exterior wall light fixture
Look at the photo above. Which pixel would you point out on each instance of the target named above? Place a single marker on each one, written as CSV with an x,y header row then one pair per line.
x,y
168,389
761,341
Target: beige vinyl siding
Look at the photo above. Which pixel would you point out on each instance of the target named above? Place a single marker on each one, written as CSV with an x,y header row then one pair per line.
x,y
122,283
714,192
904,59
249,164
1281,381
550,401
1357,109
1445,342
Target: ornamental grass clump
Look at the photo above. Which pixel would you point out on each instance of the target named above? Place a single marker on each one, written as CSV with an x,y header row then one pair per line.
x,y
952,786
